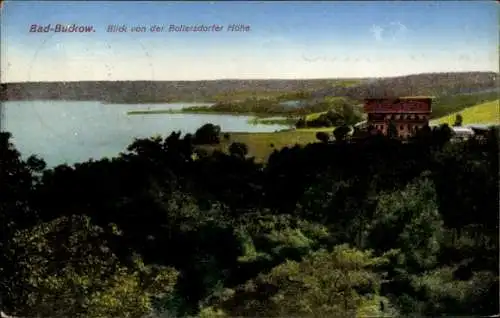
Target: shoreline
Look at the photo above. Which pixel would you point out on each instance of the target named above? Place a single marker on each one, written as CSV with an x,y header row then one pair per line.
x,y
190,111
257,118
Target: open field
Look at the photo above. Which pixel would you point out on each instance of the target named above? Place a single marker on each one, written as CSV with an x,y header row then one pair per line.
x,y
261,145
486,113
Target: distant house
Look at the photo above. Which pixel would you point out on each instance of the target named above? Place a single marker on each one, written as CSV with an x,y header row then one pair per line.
x,y
407,114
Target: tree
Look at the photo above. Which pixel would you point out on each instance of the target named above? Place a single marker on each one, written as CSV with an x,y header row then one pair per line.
x,y
392,130
65,268
301,123
458,121
324,284
423,135
18,180
322,136
238,149
446,295
341,132
409,220
207,134
441,135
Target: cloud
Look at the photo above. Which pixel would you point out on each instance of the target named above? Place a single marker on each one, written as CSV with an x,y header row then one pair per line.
x,y
377,31
401,27
390,32
398,29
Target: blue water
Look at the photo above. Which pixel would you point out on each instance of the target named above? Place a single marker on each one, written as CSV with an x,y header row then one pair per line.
x,y
70,132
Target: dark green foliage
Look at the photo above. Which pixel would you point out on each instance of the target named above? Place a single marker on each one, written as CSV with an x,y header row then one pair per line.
x,y
238,149
458,121
339,111
375,227
340,133
340,282
392,130
207,134
322,136
301,123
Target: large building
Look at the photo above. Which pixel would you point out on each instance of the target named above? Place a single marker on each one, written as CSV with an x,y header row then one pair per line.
x,y
406,113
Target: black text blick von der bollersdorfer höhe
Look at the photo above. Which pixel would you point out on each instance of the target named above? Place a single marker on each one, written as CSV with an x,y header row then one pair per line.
x,y
179,28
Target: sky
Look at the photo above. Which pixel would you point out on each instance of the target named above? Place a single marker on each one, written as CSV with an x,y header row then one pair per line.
x,y
286,40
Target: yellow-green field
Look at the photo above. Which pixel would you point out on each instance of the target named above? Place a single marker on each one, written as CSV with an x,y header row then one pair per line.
x,y
314,116
261,145
487,113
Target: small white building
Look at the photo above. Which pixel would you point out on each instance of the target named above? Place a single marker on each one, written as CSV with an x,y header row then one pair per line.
x,y
462,132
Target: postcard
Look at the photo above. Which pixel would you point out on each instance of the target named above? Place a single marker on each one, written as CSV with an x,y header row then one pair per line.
x,y
249,158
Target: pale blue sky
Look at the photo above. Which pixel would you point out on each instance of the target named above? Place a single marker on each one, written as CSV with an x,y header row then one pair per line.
x,y
286,40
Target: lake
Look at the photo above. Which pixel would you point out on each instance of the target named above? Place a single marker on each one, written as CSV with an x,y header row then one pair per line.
x,y
70,132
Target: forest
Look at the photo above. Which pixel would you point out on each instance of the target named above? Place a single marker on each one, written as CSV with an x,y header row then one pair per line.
x,y
136,92
375,227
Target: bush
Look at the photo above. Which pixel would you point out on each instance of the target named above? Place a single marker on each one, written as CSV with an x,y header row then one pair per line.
x,y
322,136
458,121
341,132
323,284
65,268
301,123
238,149
340,112
208,134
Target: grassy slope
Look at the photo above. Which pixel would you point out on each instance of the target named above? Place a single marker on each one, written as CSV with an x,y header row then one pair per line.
x,y
259,144
314,116
483,113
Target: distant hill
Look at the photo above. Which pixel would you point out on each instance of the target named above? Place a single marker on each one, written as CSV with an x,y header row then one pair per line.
x,y
206,91
428,84
152,91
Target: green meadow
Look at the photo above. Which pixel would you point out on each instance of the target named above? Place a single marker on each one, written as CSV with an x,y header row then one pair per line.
x,y
485,113
261,145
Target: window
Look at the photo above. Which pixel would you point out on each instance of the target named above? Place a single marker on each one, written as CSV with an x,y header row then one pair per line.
x,y
401,127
